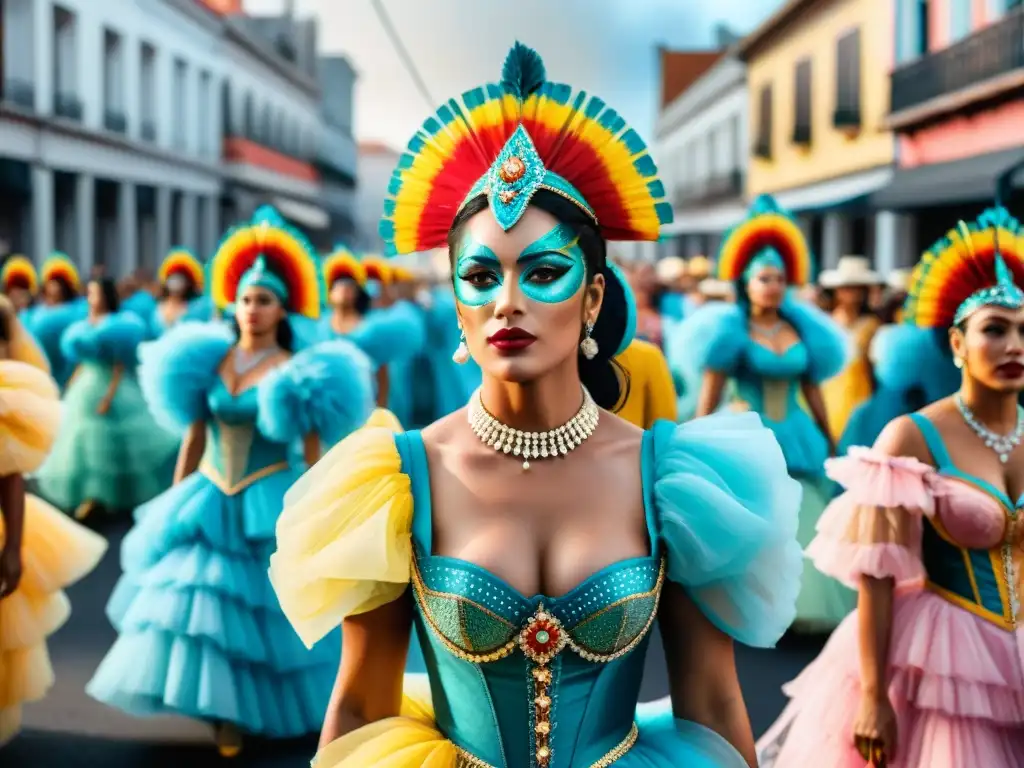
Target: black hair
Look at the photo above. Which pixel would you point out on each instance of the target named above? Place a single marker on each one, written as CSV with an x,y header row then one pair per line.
x,y
109,290
67,292
605,379
890,309
363,300
865,301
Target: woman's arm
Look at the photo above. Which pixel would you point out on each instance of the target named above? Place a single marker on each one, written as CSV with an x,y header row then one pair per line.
x,y
311,449
115,382
711,388
816,404
369,683
191,452
874,609
383,386
702,672
12,508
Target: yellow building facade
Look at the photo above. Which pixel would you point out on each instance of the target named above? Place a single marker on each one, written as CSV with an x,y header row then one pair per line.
x,y
818,89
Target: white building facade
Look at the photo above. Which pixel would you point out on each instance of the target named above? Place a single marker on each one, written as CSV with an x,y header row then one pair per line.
x,y
701,150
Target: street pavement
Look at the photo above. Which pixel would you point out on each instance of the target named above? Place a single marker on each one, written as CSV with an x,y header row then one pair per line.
x,y
70,730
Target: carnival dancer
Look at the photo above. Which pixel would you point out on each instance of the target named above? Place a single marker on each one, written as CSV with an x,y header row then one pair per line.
x,y
41,550
928,673
538,556
181,284
199,631
110,456
849,284
777,348
62,304
137,294
19,282
411,397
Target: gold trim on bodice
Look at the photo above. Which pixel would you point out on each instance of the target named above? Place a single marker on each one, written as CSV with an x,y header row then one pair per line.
x,y
222,484
465,760
234,444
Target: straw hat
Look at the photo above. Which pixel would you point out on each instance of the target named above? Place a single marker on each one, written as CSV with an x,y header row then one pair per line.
x,y
850,271
670,268
899,280
711,288
698,266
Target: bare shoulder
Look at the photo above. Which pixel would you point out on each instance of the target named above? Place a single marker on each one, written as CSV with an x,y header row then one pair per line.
x,y
446,429
902,437
616,433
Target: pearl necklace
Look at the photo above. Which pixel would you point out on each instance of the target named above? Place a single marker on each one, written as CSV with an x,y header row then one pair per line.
x,y
533,445
1003,445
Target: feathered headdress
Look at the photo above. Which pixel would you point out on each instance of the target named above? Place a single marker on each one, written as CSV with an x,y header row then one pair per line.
x,y
507,140
378,269
19,272
181,261
768,231
342,263
267,251
975,265
58,266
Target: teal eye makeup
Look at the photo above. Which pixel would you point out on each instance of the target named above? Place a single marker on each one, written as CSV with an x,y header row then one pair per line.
x,y
477,274
553,268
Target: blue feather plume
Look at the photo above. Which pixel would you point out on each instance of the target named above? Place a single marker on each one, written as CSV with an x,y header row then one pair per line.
x,y
523,72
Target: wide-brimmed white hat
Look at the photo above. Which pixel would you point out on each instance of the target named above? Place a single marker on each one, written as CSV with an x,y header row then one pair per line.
x,y
699,266
899,280
711,288
670,268
850,271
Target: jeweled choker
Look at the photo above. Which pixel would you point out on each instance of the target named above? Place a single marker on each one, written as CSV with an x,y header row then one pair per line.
x,y
533,445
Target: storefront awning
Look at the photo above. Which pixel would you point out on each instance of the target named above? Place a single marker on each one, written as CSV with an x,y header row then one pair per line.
x,y
304,214
849,192
971,179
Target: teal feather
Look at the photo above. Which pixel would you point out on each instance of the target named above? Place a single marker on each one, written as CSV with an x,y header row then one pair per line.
x,y
523,73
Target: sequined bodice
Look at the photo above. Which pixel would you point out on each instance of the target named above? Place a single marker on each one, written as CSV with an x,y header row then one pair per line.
x,y
237,454
530,681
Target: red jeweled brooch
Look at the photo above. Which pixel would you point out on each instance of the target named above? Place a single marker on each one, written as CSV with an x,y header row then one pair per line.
x,y
512,170
542,638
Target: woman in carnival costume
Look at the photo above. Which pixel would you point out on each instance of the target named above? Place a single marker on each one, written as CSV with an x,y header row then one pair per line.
x,y
41,550
19,282
533,489
849,285
779,350
411,396
181,284
928,672
199,631
110,455
62,304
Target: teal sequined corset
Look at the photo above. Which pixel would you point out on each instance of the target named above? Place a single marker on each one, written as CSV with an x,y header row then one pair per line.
x,y
533,682
237,455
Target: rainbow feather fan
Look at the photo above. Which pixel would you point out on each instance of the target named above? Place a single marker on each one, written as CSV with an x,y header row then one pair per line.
x,y
19,272
576,136
378,269
767,226
286,252
181,261
342,263
58,266
962,263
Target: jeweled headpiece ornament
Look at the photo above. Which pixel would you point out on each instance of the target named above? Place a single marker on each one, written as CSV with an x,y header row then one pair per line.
x,y
976,265
506,141
181,261
341,263
269,253
19,272
58,266
769,236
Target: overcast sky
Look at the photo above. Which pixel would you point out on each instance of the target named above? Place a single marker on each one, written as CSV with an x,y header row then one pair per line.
x,y
605,46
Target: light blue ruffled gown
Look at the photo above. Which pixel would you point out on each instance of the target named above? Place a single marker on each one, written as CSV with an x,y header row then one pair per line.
x,y
200,632
683,354
769,383
722,518
47,324
198,309
120,459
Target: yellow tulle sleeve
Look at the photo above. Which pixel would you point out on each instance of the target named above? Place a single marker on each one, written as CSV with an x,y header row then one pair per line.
x,y
344,542
29,416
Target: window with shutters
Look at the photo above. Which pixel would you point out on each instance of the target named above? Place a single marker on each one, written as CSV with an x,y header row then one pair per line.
x,y
802,104
763,140
847,112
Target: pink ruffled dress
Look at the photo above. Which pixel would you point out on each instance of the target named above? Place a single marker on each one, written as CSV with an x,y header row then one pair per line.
x,y
953,544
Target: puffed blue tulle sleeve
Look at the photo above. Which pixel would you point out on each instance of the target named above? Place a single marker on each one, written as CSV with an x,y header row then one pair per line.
x,y
78,342
727,514
141,304
326,390
828,346
118,336
48,323
200,308
712,338
177,371
394,333
905,356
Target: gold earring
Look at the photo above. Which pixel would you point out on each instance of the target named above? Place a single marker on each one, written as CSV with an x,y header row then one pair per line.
x,y
588,346
462,351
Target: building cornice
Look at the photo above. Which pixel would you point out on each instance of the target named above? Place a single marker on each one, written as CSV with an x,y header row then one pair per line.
x,y
236,32
198,13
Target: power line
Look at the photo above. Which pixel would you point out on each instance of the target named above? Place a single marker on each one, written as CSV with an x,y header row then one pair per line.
x,y
403,53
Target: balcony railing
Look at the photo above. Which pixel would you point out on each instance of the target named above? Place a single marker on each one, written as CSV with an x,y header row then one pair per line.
x,y
996,50
68,106
20,93
115,121
709,189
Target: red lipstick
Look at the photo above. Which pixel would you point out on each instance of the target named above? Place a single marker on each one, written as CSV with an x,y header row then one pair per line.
x,y
1011,370
511,339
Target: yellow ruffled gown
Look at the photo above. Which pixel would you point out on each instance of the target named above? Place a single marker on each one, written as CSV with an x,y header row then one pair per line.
x,y
652,393
855,383
56,550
